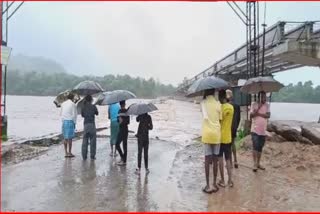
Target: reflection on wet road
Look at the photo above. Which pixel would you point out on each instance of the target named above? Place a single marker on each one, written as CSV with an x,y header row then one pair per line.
x,y
53,183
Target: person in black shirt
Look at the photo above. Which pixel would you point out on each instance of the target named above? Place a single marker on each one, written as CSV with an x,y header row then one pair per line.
x,y
145,124
235,125
124,121
88,112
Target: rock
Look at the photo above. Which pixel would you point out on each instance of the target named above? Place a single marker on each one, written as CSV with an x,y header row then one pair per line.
x,y
273,137
311,132
276,197
289,130
301,168
276,166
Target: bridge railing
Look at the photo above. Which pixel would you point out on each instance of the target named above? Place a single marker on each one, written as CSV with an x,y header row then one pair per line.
x,y
236,62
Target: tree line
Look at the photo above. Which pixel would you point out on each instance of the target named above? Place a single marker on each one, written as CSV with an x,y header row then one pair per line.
x,y
50,84
298,93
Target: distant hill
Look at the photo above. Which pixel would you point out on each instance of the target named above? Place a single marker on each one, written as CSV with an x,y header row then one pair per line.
x,y
45,77
40,64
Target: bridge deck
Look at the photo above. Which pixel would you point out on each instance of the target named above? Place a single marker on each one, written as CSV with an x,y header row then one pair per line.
x,y
288,45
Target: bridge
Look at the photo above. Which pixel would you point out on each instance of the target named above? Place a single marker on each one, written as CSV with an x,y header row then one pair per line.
x,y
288,45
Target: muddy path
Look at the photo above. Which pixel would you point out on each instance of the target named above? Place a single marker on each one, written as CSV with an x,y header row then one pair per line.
x,y
279,188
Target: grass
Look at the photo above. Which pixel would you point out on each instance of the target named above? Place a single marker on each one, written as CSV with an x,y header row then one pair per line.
x,y
241,134
4,137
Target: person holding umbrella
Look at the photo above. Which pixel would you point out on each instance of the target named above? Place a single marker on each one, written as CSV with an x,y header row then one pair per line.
x,y
259,114
211,136
124,121
88,112
211,130
145,124
69,118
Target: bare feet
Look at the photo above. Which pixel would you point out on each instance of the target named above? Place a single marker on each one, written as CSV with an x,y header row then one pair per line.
x,y
137,172
236,165
221,184
215,188
121,163
207,190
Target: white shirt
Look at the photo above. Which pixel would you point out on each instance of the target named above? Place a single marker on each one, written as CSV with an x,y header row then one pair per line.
x,y
69,111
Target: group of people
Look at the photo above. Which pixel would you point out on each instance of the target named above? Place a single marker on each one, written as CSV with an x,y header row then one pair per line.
x,y
221,119
119,122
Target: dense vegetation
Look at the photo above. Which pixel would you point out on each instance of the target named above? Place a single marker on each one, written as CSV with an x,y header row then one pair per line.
x,y
299,93
50,84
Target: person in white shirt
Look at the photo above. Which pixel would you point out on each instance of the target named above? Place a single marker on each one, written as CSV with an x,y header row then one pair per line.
x,y
69,118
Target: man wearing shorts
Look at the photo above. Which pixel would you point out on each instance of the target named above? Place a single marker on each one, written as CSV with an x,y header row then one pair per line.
x,y
259,114
226,138
69,117
211,110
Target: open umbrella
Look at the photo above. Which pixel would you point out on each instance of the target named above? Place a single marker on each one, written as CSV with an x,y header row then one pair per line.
x,y
141,108
63,96
87,88
111,97
257,84
211,82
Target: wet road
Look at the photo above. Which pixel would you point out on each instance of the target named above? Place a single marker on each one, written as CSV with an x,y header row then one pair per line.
x,y
53,183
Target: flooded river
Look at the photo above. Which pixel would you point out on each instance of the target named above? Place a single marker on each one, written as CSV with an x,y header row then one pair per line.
x,y
38,116
50,182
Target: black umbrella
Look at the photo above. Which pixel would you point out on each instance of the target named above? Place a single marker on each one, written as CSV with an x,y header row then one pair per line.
x,y
87,88
141,108
108,98
63,96
211,82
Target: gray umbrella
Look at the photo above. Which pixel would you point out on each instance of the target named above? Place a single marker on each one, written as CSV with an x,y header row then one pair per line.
x,y
63,96
211,82
88,88
111,97
141,108
257,84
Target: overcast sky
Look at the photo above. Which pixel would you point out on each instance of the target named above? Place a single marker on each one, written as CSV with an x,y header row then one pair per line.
x,y
163,40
